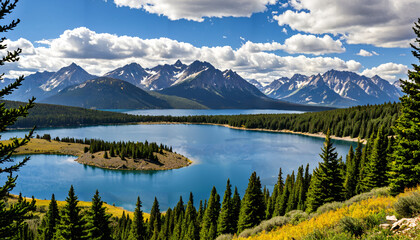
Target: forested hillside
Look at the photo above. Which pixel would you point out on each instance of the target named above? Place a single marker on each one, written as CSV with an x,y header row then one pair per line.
x,y
360,121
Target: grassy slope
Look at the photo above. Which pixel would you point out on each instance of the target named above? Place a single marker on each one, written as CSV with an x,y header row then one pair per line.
x,y
42,207
326,223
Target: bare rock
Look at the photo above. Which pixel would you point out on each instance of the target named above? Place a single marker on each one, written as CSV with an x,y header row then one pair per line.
x,y
391,219
385,226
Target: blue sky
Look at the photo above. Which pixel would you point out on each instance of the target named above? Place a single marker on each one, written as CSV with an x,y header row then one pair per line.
x,y
260,39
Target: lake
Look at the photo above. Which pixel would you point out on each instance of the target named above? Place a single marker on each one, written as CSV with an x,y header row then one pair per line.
x,y
218,153
194,112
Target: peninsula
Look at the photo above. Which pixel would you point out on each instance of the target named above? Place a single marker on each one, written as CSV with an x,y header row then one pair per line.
x,y
163,159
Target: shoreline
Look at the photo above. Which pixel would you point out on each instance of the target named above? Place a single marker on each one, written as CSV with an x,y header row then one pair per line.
x,y
319,135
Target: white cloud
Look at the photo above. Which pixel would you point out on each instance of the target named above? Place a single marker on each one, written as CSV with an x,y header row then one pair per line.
x,y
284,30
99,53
196,10
365,53
310,44
15,74
307,44
383,23
388,71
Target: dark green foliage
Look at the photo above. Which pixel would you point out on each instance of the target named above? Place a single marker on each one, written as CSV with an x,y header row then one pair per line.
x,y
138,228
369,118
135,150
408,206
377,166
273,206
236,208
165,231
71,226
50,221
154,220
406,166
225,220
352,226
190,225
211,214
97,220
351,176
11,217
123,228
327,183
252,205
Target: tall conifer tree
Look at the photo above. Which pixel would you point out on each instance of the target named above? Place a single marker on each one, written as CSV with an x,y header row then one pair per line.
x,y
326,183
211,214
138,229
252,205
406,166
377,167
224,224
236,208
98,220
72,224
50,221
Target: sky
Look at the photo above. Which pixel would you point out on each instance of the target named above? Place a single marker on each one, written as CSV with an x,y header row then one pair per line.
x,y
260,39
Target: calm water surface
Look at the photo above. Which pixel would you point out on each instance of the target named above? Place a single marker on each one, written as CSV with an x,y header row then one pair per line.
x,y
218,153
194,112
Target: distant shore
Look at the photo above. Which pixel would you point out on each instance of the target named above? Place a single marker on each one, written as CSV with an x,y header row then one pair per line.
x,y
167,160
320,134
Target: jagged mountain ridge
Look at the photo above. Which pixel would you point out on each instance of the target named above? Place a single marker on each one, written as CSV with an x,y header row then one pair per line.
x,y
45,84
351,88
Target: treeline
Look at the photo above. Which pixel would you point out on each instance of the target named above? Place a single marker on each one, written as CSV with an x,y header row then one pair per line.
x,y
134,150
360,121
334,179
48,115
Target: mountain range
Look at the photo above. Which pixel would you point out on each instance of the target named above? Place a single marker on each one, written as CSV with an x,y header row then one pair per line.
x,y
200,85
333,88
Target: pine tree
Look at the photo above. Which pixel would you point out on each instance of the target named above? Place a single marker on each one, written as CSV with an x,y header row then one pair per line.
x,y
406,166
165,231
252,205
364,162
190,225
281,203
224,224
138,228
154,217
326,183
50,221
277,191
106,155
377,166
98,220
12,217
71,226
350,180
236,208
211,214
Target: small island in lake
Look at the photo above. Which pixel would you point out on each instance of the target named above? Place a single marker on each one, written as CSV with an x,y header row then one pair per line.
x,y
108,155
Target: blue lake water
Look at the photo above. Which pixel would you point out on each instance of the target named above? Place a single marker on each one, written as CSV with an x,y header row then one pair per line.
x,y
194,112
218,153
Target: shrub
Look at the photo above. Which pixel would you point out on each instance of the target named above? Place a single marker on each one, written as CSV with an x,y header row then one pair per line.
x,y
266,225
374,220
376,192
297,216
225,237
352,225
332,206
408,206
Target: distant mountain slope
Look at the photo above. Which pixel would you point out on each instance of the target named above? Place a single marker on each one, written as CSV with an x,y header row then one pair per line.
x,y
109,93
45,84
340,88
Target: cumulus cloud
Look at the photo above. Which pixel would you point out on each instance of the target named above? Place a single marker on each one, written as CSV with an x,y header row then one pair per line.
x,y
365,53
383,23
99,53
310,44
388,71
196,10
